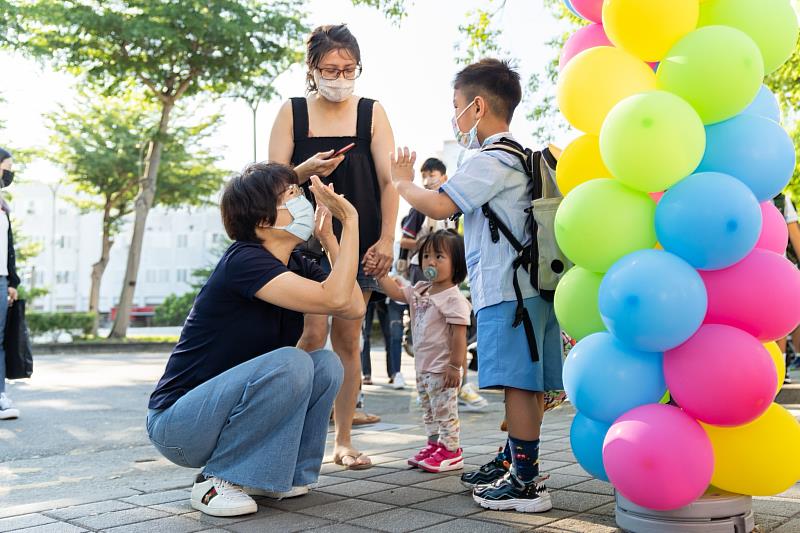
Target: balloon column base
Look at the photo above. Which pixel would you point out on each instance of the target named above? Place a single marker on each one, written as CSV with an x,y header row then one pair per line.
x,y
716,511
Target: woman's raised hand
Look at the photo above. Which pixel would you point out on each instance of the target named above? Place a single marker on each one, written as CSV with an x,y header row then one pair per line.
x,y
336,204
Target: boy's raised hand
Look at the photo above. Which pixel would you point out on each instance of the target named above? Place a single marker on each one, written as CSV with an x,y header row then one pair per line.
x,y
403,165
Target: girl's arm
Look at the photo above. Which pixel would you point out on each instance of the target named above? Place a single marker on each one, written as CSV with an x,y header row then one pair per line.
x,y
458,347
392,289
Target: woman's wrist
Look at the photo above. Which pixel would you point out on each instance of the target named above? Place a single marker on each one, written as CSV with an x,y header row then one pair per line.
x,y
453,366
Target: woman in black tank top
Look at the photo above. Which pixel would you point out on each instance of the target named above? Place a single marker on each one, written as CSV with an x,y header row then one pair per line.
x,y
307,132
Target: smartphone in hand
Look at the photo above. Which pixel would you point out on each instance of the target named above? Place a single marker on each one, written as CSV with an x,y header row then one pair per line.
x,y
343,151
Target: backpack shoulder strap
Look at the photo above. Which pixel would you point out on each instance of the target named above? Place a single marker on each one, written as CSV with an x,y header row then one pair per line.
x,y
510,146
495,225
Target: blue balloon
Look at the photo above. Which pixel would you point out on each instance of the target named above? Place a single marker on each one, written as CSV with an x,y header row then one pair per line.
x,y
765,105
752,149
710,220
574,12
652,300
586,438
604,378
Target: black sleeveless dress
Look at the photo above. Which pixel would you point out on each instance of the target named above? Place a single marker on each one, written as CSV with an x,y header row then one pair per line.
x,y
355,177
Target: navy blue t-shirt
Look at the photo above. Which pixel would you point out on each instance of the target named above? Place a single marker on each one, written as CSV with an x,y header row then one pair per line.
x,y
228,325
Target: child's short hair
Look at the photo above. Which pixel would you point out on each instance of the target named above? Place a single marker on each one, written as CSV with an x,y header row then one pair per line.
x,y
495,81
450,242
433,165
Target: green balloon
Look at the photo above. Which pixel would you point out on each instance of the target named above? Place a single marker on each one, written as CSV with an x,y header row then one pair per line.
x,y
772,24
717,69
601,221
576,303
666,398
650,141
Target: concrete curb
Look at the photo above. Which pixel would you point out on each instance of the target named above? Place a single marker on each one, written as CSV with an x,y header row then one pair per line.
x,y
84,348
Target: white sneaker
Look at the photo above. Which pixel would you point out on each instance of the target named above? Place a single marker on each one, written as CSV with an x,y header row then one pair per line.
x,y
399,382
470,400
7,411
217,497
294,493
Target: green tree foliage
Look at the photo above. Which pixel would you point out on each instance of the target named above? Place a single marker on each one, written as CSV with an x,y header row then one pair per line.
x,y
394,10
170,50
100,143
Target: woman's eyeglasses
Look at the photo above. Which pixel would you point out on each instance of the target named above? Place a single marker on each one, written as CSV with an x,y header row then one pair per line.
x,y
331,74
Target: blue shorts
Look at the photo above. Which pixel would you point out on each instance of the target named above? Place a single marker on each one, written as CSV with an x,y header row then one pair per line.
x,y
504,359
367,283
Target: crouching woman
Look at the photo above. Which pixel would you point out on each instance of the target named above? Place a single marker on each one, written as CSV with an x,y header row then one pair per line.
x,y
237,398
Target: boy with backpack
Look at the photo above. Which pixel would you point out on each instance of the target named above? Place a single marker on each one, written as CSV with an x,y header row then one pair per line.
x,y
519,339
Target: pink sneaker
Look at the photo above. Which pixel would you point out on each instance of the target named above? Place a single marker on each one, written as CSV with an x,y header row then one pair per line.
x,y
443,461
424,453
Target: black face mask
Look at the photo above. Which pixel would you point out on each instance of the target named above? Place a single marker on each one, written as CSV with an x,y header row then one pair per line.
x,y
8,177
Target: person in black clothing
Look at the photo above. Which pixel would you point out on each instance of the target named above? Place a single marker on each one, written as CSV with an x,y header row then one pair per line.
x,y
9,280
237,397
306,133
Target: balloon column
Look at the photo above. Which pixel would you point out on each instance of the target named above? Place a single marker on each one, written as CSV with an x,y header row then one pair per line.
x,y
687,294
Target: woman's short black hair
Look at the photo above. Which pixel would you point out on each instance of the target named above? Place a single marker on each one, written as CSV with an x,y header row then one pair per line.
x,y
451,243
252,197
324,39
432,165
495,81
4,154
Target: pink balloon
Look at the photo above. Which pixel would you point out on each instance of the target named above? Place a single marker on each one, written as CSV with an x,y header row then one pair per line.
x,y
656,196
760,295
587,37
774,231
589,9
721,376
658,457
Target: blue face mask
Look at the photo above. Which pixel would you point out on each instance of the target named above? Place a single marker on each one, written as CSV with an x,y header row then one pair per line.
x,y
302,225
469,140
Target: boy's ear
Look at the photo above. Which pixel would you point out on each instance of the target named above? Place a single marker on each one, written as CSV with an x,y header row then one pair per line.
x,y
480,106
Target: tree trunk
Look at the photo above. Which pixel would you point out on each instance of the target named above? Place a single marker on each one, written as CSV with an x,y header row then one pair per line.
x,y
99,268
142,206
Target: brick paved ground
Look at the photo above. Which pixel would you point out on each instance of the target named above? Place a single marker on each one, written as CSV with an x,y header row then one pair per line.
x,y
79,461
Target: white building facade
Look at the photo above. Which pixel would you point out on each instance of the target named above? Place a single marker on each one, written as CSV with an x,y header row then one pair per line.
x,y
177,242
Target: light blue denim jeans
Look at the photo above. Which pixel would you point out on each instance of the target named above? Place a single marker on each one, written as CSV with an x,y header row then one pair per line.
x,y
3,314
261,424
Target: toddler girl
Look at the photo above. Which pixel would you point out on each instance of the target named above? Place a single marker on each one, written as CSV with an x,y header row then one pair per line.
x,y
440,315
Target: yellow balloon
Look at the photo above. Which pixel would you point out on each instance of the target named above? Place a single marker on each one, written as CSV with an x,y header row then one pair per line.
x,y
580,162
780,362
756,458
649,28
595,81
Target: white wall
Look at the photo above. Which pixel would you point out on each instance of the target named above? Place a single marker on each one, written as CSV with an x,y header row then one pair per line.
x,y
176,243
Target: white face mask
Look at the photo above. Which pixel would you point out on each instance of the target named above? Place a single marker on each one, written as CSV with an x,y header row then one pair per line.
x,y
468,140
302,224
337,90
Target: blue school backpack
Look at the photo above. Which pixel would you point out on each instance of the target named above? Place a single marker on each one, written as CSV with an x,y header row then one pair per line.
x,y
542,259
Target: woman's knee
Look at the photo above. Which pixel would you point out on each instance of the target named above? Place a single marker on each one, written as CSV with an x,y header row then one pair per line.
x,y
293,362
328,368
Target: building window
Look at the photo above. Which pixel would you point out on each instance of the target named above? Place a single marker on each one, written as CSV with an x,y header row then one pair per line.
x,y
64,242
182,275
150,276
183,241
63,277
163,276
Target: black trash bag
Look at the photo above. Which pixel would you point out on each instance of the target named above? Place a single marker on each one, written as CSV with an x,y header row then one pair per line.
x,y
17,343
